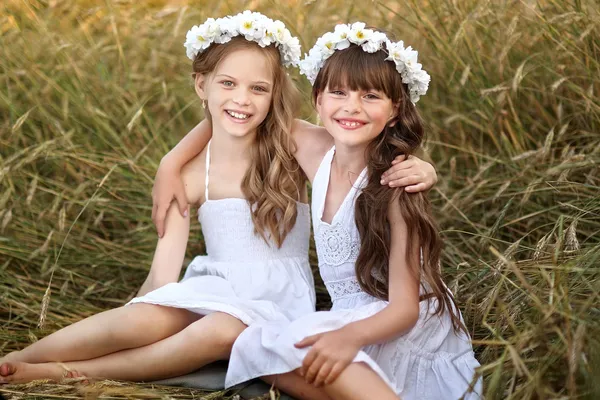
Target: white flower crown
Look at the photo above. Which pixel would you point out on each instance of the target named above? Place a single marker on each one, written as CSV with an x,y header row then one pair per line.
x,y
371,41
253,26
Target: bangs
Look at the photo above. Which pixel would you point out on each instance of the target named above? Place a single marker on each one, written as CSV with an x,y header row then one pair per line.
x,y
355,69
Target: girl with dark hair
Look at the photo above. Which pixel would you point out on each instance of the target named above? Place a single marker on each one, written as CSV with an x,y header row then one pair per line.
x,y
378,248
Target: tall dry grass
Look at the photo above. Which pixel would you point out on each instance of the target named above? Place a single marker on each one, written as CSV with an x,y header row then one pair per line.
x,y
93,93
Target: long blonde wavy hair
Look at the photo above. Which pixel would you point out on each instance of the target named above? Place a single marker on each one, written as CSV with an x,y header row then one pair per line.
x,y
272,184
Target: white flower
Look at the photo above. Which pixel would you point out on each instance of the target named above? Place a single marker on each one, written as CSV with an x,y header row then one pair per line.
x,y
375,42
409,57
341,34
370,41
253,26
394,50
358,34
326,44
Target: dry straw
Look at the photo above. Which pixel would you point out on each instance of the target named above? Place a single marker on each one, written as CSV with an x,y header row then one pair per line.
x,y
95,92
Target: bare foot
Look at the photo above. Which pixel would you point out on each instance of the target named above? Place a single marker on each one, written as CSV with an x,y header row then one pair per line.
x,y
20,372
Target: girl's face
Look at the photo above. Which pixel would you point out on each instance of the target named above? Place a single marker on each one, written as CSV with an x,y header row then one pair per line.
x,y
354,118
238,92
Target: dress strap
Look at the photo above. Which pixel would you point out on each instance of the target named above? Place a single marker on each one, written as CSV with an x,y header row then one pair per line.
x,y
207,168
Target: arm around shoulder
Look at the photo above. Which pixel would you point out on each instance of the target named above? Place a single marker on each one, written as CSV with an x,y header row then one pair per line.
x,y
312,143
167,183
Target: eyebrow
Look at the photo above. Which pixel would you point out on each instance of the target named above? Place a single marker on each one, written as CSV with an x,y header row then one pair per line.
x,y
231,77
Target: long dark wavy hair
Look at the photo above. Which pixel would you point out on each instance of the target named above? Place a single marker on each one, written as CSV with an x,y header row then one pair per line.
x,y
354,69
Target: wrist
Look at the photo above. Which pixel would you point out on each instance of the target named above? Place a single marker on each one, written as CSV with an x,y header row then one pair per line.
x,y
358,335
169,162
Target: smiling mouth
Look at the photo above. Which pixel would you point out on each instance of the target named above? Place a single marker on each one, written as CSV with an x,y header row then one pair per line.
x,y
238,115
350,124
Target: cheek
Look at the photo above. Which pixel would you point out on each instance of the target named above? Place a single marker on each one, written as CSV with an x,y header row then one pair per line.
x,y
327,107
381,114
265,103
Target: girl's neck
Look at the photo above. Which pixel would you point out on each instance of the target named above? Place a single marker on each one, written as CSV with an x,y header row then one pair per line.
x,y
349,159
231,149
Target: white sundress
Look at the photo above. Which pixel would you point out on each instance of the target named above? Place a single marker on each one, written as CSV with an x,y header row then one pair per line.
x,y
429,362
242,275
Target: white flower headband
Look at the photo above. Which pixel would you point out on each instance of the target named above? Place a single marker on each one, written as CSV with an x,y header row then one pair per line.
x,y
253,26
371,41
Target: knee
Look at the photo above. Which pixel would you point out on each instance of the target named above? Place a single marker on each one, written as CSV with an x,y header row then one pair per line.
x,y
219,329
148,318
229,331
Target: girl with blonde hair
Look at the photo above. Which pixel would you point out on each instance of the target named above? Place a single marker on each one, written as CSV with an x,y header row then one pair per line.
x,y
254,219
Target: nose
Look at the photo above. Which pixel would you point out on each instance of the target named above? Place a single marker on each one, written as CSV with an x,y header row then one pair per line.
x,y
241,97
352,104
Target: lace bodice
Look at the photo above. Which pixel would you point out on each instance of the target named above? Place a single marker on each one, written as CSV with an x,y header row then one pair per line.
x,y
337,243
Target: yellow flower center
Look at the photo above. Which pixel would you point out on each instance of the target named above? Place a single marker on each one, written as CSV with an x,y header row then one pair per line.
x,y
201,38
248,24
360,34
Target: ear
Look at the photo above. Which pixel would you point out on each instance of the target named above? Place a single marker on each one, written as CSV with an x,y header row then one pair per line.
x,y
318,102
199,86
394,115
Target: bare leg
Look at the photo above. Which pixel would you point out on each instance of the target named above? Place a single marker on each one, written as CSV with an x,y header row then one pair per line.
x,y
202,342
292,383
357,382
121,328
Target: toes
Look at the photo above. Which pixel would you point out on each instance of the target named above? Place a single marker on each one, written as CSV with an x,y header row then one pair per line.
x,y
7,369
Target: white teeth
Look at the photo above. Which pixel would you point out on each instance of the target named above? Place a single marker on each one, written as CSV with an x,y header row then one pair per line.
x,y
237,115
349,124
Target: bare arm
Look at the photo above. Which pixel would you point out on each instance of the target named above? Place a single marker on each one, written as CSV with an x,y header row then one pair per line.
x,y
169,254
333,351
170,250
312,142
402,312
167,183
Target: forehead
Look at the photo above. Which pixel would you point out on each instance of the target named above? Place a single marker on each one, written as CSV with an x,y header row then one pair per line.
x,y
246,64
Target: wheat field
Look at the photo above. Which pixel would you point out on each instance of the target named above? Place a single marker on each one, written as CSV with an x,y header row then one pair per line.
x,y
94,92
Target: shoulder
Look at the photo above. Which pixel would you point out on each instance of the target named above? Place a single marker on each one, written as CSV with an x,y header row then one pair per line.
x,y
312,143
193,175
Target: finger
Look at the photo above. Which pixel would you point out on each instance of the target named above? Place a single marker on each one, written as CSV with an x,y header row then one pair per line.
x,y
160,221
398,168
323,374
154,207
399,159
335,372
405,181
419,187
313,370
308,361
182,203
401,173
307,341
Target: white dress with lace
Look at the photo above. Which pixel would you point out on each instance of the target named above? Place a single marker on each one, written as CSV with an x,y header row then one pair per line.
x,y
428,362
242,275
